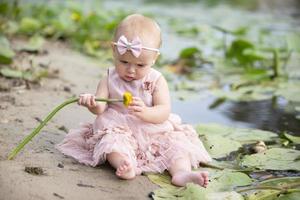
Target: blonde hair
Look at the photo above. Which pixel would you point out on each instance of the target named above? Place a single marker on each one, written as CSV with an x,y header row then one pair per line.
x,y
138,25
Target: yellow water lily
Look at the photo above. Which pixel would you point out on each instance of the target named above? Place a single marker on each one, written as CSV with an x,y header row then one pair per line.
x,y
127,98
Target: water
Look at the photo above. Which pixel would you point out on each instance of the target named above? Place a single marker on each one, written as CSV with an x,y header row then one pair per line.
x,y
267,115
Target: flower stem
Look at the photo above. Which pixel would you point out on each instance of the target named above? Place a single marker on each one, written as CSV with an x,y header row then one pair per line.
x,y
14,152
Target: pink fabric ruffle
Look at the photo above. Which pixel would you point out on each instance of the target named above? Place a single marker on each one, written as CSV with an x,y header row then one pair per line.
x,y
149,147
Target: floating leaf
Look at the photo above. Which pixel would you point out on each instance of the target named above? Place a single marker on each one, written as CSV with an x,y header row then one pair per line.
x,y
289,90
293,41
241,135
277,188
190,56
273,159
188,32
189,52
219,146
286,182
263,195
220,182
227,180
292,138
224,195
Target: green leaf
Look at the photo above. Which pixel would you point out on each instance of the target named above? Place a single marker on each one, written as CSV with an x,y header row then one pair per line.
x,y
163,180
241,135
34,45
188,32
263,195
189,52
273,159
277,188
289,90
221,182
11,73
238,46
29,25
293,41
292,138
218,146
286,182
244,52
224,195
227,180
6,53
290,196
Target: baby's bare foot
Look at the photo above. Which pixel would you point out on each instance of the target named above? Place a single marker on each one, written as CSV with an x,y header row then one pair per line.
x,y
183,177
125,170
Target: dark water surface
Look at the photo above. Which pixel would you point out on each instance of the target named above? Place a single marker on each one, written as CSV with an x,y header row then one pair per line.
x,y
268,115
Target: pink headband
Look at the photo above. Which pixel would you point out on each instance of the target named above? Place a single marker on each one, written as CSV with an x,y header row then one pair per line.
x,y
135,46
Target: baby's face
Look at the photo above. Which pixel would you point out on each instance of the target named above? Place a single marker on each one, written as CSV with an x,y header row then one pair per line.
x,y
131,68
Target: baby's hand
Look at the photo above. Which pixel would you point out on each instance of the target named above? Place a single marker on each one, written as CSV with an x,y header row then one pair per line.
x,y
87,100
137,107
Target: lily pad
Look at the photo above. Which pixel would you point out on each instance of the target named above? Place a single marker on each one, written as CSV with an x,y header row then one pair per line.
x,y
290,91
286,182
292,138
241,135
273,159
218,146
278,188
227,180
264,195
221,182
246,93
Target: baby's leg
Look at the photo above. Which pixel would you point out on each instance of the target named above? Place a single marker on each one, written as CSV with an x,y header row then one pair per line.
x,y
122,164
182,174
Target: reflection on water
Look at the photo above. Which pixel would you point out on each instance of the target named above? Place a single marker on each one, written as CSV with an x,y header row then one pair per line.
x,y
266,115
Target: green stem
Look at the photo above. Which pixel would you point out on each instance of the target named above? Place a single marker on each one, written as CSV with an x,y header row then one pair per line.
x,y
44,122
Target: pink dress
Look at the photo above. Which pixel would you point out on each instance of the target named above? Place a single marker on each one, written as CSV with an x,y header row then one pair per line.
x,y
150,147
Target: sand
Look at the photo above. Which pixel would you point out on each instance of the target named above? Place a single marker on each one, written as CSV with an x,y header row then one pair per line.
x,y
61,177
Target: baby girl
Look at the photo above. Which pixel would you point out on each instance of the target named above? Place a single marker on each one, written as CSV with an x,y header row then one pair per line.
x,y
145,136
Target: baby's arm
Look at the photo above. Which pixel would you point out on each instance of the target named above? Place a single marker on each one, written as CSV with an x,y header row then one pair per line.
x,y
161,108
89,100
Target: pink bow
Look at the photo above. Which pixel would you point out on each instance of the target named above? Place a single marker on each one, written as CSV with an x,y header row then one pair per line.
x,y
135,46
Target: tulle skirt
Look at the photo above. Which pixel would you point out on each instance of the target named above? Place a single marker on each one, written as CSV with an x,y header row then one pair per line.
x,y
149,147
